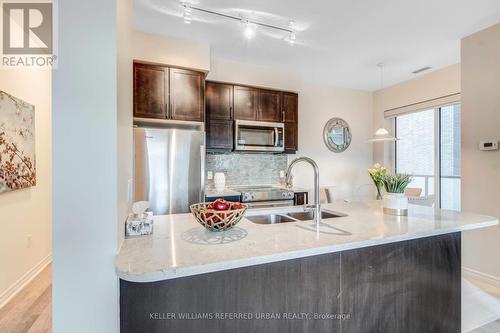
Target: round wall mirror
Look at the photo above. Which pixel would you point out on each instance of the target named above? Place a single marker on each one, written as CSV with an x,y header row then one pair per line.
x,y
337,135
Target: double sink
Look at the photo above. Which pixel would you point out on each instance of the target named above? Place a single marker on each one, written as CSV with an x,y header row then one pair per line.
x,y
274,218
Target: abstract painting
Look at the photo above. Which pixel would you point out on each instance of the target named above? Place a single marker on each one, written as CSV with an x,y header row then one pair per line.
x,y
17,144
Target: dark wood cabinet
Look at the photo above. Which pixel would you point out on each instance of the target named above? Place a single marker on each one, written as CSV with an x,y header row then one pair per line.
x,y
150,91
164,92
410,286
256,104
300,198
219,123
289,114
219,101
219,134
226,102
291,137
269,106
290,107
187,90
246,103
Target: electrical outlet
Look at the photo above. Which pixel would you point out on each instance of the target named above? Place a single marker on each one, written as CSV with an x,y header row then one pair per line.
x,y
28,241
210,175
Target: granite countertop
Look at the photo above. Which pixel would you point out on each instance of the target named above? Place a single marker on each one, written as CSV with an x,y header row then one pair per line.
x,y
181,247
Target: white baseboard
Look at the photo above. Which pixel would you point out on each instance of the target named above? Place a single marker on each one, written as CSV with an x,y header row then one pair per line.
x,y
483,277
12,291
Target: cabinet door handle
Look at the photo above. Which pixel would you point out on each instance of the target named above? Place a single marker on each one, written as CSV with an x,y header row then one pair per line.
x,y
283,115
171,109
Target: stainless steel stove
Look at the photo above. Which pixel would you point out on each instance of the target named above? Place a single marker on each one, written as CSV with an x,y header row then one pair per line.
x,y
265,196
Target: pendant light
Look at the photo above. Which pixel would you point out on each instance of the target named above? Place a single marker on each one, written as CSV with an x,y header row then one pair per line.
x,y
382,134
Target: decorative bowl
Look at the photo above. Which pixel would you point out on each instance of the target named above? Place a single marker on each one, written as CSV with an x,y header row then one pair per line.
x,y
217,220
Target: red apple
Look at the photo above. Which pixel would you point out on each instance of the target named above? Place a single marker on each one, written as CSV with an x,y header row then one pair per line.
x,y
221,204
236,205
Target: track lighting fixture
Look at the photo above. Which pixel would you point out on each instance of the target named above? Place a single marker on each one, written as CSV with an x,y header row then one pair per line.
x,y
250,25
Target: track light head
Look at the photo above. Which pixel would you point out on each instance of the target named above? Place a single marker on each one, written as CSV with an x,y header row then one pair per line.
x,y
249,30
188,15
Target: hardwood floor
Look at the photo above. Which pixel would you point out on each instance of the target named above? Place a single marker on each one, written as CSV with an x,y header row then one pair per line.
x,y
30,311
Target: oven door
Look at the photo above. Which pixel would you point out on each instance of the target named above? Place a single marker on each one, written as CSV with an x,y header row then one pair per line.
x,y
259,136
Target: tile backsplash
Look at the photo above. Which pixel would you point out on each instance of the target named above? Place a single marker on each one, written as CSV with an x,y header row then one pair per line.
x,y
247,169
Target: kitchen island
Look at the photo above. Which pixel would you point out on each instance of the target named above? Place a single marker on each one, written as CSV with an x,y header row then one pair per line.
x,y
362,272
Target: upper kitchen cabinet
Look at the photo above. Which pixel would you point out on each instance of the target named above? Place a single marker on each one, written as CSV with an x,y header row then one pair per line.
x,y
219,101
226,102
164,92
246,103
269,106
256,104
187,90
290,107
219,117
150,91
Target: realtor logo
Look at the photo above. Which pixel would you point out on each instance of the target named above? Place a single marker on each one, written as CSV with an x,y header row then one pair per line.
x,y
27,34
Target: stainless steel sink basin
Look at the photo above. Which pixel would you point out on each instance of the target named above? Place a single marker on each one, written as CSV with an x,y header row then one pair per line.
x,y
309,215
290,217
270,219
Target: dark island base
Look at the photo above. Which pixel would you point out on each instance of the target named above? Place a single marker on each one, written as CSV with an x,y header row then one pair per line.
x,y
410,286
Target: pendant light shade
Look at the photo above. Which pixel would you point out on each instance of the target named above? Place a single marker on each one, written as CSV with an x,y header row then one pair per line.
x,y
382,135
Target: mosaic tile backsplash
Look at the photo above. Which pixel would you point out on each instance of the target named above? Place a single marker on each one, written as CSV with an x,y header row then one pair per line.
x,y
247,169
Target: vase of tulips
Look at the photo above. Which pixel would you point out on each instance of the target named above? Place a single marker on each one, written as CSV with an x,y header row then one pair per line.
x,y
376,174
395,201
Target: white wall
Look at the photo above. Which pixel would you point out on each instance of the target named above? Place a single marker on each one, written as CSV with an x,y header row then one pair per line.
x,y
171,51
480,121
84,132
27,213
439,83
124,116
317,103
346,171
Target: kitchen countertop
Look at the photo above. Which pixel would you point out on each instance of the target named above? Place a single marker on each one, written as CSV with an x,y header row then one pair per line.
x,y
181,247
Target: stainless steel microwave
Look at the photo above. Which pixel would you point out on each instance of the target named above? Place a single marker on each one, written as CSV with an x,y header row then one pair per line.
x,y
259,136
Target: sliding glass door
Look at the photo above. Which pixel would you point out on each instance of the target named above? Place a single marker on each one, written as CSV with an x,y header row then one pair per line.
x,y
449,151
429,150
415,149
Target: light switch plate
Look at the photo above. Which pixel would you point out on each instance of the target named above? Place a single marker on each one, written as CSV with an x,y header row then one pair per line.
x,y
130,188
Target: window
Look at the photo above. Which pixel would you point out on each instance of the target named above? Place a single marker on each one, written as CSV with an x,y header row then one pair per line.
x,y
429,150
449,148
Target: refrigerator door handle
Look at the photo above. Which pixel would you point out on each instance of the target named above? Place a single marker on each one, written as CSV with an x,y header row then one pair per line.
x,y
202,170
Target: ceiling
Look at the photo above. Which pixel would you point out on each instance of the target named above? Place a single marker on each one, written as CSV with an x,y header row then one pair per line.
x,y
338,41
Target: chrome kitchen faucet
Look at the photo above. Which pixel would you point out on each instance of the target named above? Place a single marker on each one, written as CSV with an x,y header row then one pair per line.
x,y
316,206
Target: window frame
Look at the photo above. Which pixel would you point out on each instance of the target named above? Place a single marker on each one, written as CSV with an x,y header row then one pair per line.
x,y
437,147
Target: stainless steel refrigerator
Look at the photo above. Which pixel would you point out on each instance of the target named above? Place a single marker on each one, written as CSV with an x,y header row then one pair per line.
x,y
169,168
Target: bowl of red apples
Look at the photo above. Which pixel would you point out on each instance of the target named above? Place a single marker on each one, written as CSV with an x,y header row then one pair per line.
x,y
218,215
